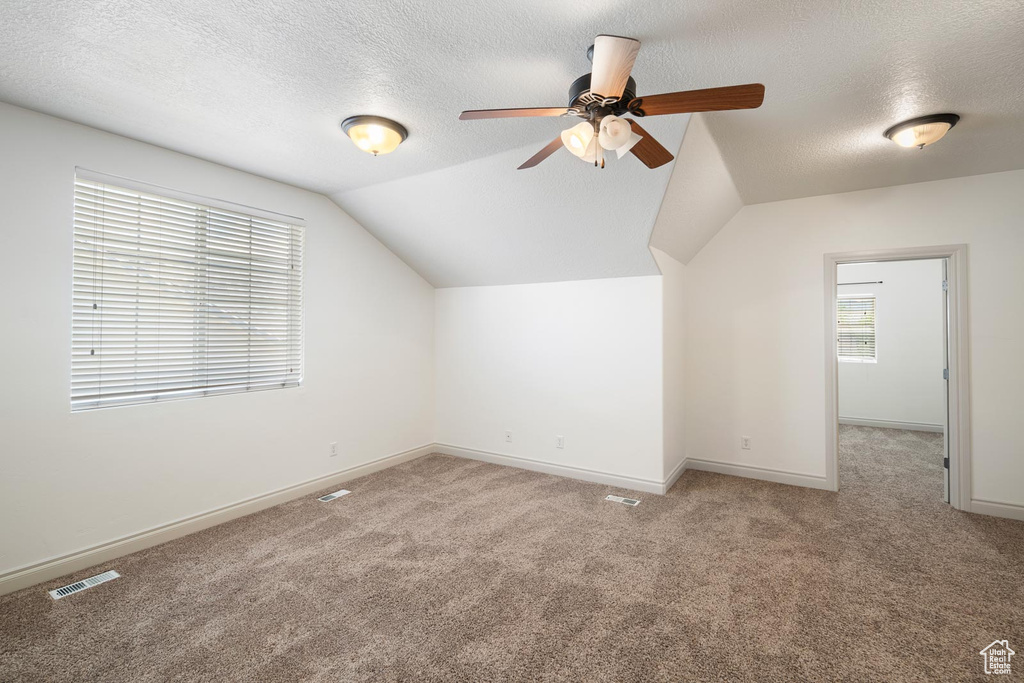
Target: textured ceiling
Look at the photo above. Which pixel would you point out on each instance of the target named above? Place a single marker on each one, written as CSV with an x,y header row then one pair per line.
x,y
839,73
262,86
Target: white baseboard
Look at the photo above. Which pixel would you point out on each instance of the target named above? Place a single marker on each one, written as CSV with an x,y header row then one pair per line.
x,y
635,483
673,476
762,473
995,509
890,424
23,577
595,476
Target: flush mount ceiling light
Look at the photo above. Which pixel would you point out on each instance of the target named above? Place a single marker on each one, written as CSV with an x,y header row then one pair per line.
x,y
374,134
922,131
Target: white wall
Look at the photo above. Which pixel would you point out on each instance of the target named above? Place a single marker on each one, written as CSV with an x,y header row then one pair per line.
x,y
673,281
905,383
71,481
578,359
755,341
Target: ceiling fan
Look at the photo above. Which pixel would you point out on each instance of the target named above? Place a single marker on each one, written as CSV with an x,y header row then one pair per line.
x,y
601,98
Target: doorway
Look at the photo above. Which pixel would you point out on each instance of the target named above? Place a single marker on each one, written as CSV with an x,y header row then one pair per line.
x,y
896,359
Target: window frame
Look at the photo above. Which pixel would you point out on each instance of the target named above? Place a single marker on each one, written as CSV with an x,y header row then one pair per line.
x,y
235,365
874,329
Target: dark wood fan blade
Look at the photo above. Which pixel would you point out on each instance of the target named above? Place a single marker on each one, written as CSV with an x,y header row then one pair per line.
x,y
613,60
748,96
649,150
540,156
510,113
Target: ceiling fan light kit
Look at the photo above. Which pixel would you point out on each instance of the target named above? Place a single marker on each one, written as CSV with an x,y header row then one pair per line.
x,y
605,95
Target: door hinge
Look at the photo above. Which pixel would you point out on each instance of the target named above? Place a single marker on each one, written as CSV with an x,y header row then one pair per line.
x,y
945,285
945,373
945,462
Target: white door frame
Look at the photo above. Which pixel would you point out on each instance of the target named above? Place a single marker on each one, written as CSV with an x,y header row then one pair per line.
x,y
958,386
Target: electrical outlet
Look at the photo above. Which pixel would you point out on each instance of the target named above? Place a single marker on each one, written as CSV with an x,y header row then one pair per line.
x,y
334,449
559,442
508,436
745,443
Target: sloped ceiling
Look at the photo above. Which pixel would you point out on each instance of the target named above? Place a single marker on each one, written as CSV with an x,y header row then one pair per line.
x,y
700,198
262,85
484,223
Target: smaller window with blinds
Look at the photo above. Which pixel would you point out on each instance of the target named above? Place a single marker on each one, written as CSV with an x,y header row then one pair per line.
x,y
857,329
178,298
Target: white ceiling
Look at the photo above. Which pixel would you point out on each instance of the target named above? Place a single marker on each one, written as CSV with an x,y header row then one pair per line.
x,y
484,223
700,198
839,73
262,86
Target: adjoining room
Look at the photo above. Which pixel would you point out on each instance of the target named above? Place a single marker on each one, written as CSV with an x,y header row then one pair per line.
x,y
892,346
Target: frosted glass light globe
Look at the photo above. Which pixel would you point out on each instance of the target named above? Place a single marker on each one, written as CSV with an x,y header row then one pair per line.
x,y
593,154
922,131
920,136
614,132
374,134
578,138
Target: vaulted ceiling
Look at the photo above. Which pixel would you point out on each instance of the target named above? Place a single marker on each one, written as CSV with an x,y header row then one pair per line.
x,y
262,86
484,223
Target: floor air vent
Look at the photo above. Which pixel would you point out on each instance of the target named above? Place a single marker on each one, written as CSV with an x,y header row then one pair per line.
x,y
79,586
632,502
332,496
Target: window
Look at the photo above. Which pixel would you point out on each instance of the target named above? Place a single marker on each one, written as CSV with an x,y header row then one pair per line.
x,y
857,329
177,299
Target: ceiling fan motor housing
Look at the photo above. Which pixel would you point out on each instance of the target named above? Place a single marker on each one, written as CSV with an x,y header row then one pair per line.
x,y
582,101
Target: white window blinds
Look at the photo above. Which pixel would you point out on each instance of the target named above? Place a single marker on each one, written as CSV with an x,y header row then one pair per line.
x,y
857,328
174,299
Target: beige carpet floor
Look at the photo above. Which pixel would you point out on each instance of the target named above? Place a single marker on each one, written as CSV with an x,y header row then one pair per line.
x,y
452,570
